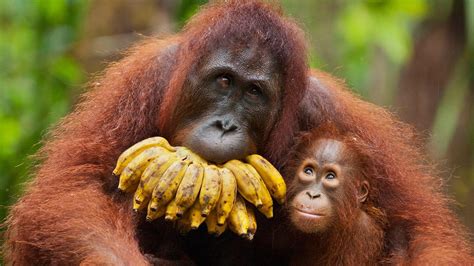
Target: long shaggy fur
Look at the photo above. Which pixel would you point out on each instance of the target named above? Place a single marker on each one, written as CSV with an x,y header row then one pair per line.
x,y
70,212
420,227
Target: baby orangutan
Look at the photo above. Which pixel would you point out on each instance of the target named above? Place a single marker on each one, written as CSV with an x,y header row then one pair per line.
x,y
329,206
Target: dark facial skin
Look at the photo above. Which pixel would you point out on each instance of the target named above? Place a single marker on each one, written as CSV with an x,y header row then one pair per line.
x,y
229,104
320,184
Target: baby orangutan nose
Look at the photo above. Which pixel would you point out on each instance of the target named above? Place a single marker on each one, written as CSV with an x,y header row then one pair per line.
x,y
313,194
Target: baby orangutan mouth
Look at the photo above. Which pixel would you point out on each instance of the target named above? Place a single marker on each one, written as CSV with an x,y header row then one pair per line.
x,y
307,214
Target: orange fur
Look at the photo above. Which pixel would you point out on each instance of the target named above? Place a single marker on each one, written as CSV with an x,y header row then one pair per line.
x,y
421,228
70,212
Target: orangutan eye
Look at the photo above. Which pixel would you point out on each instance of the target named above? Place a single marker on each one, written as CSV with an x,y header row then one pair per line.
x,y
308,170
254,90
224,81
330,175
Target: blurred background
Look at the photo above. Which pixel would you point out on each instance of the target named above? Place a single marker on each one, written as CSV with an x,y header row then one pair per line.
x,y
414,57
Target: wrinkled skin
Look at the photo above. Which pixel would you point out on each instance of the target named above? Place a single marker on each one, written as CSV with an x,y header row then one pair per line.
x,y
227,109
230,103
213,87
71,212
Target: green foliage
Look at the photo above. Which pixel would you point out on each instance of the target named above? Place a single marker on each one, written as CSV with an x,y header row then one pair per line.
x,y
365,26
187,9
38,74
450,109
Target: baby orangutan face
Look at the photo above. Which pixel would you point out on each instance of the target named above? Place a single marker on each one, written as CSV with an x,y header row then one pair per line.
x,y
325,183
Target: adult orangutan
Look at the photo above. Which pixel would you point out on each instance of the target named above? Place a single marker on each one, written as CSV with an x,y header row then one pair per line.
x,y
225,87
228,85
335,211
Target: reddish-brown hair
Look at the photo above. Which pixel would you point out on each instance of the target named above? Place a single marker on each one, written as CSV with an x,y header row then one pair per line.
x,y
233,25
68,213
421,227
340,243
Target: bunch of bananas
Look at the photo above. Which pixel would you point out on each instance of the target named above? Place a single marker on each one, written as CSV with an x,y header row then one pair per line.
x,y
176,183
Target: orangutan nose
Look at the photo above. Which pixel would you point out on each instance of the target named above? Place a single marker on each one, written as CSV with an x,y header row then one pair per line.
x,y
313,194
226,125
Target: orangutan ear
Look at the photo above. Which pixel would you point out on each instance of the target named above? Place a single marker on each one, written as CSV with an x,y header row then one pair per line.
x,y
363,191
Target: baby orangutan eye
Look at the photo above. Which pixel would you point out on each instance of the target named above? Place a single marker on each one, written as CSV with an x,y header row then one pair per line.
x,y
330,175
308,170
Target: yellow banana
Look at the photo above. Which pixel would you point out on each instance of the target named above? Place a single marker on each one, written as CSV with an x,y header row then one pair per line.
x,y
210,190
212,227
171,211
238,218
155,211
150,179
130,176
186,154
189,188
267,202
133,151
270,175
227,197
195,215
247,184
252,223
166,189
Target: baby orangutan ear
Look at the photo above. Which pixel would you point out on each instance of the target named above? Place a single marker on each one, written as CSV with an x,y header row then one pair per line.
x,y
363,191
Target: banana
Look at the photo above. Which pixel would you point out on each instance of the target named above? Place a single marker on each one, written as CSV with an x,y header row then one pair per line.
x,y
195,215
212,227
247,184
168,184
227,197
191,219
171,211
130,176
252,223
133,151
267,202
271,177
210,190
189,188
150,179
155,212
186,154
238,218
165,191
